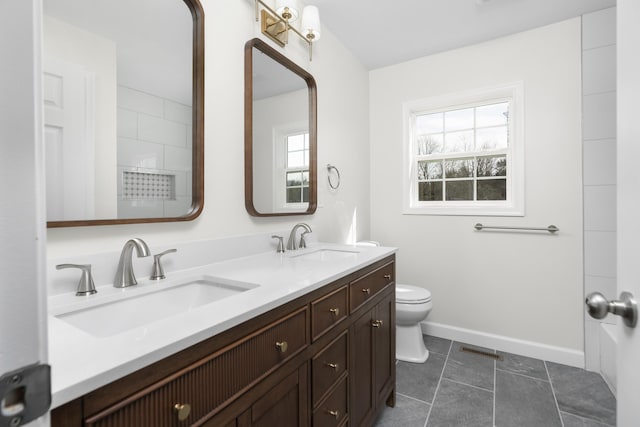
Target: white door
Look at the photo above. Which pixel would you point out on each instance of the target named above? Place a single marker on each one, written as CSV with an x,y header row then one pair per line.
x,y
69,142
23,320
628,184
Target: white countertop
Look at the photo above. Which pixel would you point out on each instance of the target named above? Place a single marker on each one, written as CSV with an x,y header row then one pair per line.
x,y
82,362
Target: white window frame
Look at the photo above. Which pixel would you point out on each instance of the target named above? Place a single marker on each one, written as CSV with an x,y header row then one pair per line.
x,y
514,205
280,134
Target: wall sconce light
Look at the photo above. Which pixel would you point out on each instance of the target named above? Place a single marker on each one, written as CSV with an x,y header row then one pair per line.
x,y
276,24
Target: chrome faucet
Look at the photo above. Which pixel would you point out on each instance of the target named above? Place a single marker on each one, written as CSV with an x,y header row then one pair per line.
x,y
292,245
124,275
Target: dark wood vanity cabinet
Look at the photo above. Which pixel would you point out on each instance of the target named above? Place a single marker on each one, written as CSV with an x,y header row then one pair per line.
x,y
324,359
372,366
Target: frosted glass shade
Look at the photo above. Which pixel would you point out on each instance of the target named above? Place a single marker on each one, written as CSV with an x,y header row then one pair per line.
x,y
310,25
281,5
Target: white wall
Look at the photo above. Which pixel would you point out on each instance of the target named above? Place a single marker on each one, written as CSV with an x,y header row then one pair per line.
x,y
599,157
342,140
519,287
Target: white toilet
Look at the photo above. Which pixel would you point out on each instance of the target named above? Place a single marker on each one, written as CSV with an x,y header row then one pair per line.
x,y
413,304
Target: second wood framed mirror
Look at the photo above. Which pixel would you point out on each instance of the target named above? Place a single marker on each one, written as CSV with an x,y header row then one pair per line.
x,y
280,134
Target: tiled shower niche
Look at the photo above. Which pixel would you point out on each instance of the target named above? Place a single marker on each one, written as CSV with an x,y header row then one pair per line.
x,y
154,155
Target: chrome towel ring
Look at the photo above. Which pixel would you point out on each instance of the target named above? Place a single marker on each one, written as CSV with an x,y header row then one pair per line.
x,y
331,168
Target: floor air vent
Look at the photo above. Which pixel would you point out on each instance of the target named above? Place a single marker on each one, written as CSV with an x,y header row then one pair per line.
x,y
481,353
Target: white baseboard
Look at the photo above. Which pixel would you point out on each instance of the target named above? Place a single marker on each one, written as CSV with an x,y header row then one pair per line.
x,y
536,350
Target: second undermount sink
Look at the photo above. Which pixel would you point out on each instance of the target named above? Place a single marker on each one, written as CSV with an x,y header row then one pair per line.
x,y
327,255
114,317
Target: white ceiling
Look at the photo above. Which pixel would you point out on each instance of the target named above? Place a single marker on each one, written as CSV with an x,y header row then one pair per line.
x,y
382,33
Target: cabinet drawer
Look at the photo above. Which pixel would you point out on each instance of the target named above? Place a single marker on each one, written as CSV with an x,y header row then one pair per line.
x,y
213,381
365,287
328,366
328,311
333,410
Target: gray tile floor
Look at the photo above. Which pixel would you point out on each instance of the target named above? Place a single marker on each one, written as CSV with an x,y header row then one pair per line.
x,y
460,389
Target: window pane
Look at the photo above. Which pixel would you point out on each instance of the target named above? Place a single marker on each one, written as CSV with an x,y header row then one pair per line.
x,y
429,144
492,166
459,190
306,141
305,194
458,142
492,189
306,157
295,159
429,123
492,115
295,142
458,119
293,195
429,170
305,178
294,179
429,191
491,138
462,168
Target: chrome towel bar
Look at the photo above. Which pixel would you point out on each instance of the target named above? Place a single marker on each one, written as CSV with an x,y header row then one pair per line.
x,y
551,229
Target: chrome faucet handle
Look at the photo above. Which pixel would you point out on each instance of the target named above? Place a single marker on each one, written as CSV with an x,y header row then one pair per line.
x,y
85,285
303,242
280,248
158,272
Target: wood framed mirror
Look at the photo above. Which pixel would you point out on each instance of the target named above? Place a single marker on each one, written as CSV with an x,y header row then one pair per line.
x,y
124,111
280,128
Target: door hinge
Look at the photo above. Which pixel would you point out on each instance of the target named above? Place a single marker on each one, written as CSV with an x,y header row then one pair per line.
x,y
25,394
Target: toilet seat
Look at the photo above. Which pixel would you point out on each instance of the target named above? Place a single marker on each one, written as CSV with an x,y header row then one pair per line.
x,y
409,294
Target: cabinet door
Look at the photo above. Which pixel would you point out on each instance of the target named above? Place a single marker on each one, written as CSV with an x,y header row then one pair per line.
x,y
384,345
361,370
285,405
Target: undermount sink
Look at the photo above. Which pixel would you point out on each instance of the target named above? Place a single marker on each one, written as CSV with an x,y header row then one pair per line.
x,y
114,317
327,255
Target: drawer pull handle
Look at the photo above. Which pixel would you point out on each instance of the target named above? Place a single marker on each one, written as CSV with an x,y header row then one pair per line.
x,y
366,291
335,311
282,346
336,414
377,323
333,366
387,276
183,410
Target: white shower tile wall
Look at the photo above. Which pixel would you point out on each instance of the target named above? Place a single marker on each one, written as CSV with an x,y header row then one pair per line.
x,y
599,167
154,141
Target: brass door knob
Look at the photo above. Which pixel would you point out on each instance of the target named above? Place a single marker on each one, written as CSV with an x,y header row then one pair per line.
x,y
333,366
183,410
366,291
282,346
377,323
335,311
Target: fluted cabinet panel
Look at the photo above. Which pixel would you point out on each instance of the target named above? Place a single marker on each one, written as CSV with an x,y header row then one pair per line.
x,y
207,385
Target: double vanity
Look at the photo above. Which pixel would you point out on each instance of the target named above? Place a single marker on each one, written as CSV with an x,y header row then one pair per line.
x,y
233,332
304,337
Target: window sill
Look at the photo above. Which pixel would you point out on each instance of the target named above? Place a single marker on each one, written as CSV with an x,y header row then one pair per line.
x,y
464,209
